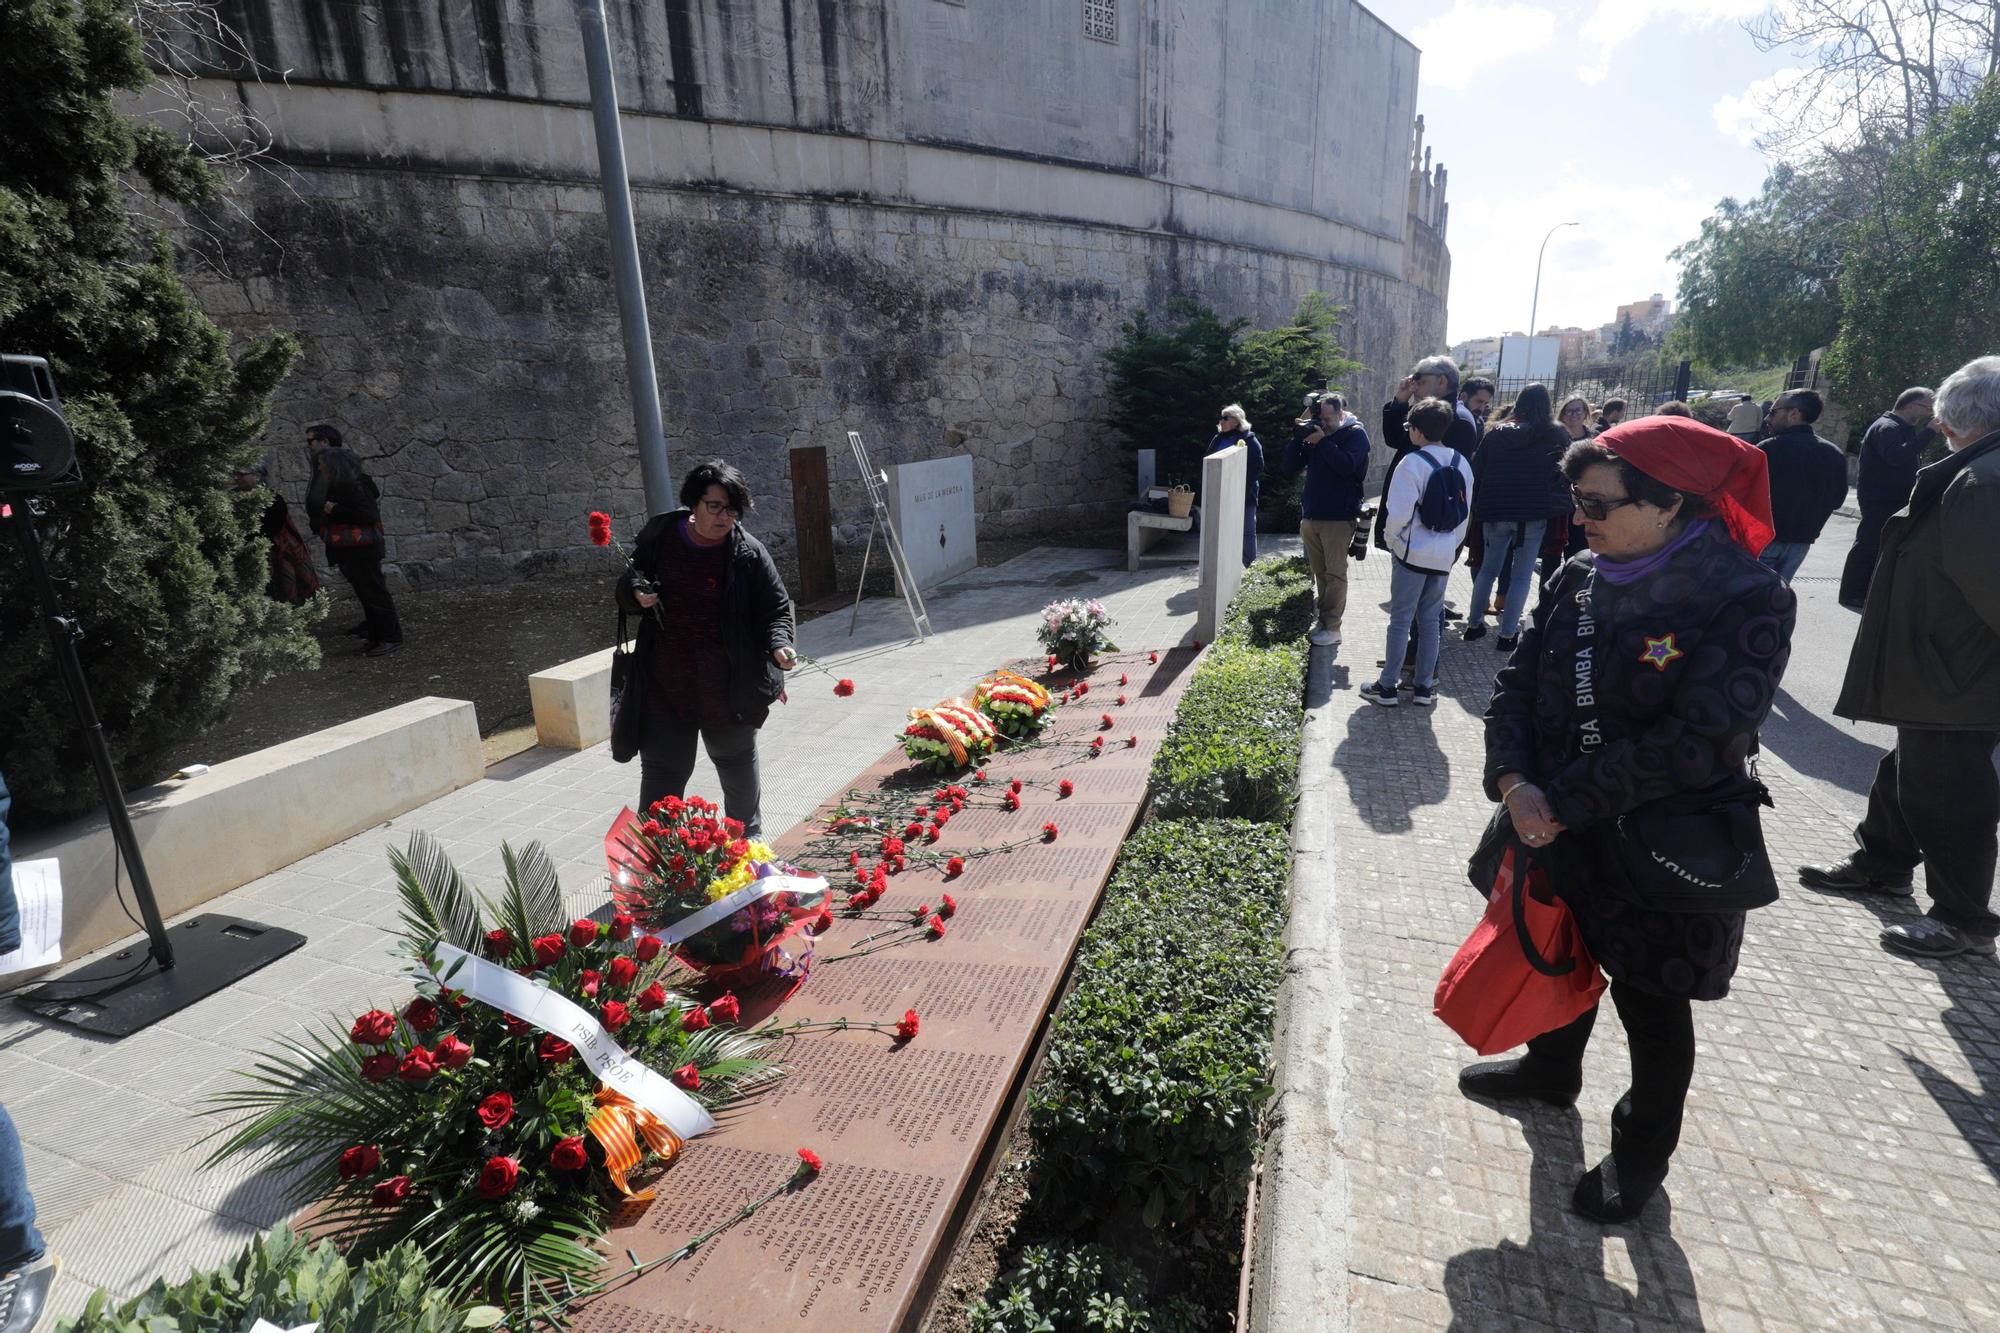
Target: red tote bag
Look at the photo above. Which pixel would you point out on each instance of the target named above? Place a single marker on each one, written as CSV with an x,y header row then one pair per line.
x,y
1523,971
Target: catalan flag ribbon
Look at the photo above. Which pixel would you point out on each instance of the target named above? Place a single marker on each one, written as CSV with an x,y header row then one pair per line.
x,y
619,1124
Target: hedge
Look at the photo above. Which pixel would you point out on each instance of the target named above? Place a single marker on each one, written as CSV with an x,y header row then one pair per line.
x,y
1080,1289
1274,604
1232,749
1156,1067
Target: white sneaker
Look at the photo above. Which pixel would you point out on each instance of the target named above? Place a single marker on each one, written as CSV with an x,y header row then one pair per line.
x,y
1323,637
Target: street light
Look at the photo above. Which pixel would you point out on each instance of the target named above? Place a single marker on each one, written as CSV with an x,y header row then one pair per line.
x,y
1535,309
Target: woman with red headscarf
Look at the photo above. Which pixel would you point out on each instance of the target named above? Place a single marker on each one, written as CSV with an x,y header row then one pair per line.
x,y
1617,742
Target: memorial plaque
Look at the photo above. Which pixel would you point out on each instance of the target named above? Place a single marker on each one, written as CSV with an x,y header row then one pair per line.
x,y
852,1095
931,503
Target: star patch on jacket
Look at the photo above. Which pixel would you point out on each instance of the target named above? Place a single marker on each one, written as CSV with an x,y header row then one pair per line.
x,y
1661,651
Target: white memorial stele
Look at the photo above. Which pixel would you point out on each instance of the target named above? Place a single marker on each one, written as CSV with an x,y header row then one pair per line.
x,y
931,503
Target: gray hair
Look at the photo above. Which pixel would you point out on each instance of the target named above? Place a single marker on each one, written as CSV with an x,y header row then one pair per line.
x,y
261,471
1440,365
1235,412
1969,401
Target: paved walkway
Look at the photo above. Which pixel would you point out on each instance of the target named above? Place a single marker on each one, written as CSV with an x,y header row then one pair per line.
x,y
1842,1146
111,1129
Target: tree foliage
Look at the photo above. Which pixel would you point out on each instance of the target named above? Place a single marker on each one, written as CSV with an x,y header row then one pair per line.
x,y
162,566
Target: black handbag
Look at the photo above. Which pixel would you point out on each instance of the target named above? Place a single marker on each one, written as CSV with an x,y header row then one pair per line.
x,y
621,669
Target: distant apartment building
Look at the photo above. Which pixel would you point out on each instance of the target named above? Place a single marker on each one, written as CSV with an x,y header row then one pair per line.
x,y
1654,315
1479,356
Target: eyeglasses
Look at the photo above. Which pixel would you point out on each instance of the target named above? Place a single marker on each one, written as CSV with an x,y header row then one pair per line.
x,y
717,508
1597,508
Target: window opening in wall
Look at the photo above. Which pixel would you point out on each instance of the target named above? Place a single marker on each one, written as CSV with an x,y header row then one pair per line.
x,y
1100,20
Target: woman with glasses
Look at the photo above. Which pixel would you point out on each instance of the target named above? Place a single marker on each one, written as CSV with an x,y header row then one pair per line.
x,y
1641,683
715,641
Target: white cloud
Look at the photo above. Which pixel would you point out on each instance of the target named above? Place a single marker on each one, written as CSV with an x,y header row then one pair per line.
x,y
1614,22
1744,116
1474,36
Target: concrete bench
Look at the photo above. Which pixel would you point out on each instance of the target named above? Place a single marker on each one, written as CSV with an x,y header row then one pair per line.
x,y
572,702
1142,530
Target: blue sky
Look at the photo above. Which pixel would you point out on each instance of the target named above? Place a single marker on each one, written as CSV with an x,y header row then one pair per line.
x,y
1631,117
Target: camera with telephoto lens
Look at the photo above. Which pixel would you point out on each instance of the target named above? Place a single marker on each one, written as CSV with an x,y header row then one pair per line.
x,y
1357,546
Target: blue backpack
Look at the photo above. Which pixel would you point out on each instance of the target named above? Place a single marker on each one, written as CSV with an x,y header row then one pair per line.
x,y
1444,505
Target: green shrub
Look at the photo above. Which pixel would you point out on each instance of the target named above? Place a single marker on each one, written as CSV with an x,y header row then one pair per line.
x,y
281,1279
1233,747
1078,1289
1274,605
1156,1067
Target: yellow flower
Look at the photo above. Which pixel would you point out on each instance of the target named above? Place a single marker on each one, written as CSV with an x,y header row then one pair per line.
x,y
746,870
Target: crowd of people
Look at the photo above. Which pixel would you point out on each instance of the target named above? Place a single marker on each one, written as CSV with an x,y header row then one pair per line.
x,y
1640,570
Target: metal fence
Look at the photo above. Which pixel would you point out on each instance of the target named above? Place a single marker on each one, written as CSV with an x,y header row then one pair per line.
x,y
1644,385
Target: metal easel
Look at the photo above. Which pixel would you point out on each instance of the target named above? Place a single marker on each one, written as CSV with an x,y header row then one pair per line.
x,y
875,480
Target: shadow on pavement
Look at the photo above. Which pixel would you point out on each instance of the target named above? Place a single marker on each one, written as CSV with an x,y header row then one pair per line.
x,y
1819,747
1393,765
1561,1265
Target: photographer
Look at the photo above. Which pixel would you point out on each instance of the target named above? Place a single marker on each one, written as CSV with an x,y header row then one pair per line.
x,y
1330,445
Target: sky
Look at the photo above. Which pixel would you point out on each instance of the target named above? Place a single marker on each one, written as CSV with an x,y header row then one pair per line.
x,y
1629,117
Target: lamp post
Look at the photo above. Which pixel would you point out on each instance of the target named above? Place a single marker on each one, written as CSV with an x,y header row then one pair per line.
x,y
1535,308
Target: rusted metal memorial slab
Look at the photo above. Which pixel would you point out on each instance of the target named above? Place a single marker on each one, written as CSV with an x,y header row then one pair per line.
x,y
902,1128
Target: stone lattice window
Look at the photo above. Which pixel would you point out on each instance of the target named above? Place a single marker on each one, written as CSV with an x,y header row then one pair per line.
x,y
1100,20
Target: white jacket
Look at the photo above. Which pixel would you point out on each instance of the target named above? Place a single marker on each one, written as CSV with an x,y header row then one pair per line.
x,y
1409,540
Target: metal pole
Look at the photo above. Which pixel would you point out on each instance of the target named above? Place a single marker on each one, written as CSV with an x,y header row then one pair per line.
x,y
1535,309
625,257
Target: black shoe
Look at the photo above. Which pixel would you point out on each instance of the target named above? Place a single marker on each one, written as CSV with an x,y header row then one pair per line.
x,y
1851,874
1614,1191
382,649
1474,633
1927,937
1423,697
359,631
24,1296
1855,607
1505,643
1381,695
1505,1081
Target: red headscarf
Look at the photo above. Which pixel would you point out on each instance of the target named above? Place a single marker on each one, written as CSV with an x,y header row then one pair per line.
x,y
1734,477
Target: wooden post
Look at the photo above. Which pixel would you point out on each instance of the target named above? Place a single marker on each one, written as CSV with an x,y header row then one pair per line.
x,y
812,524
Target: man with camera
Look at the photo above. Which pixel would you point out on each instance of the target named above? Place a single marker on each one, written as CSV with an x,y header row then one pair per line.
x,y
1330,445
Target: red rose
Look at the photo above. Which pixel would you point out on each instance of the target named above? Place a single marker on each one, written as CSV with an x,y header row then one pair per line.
x,y
621,926
948,906
599,526
954,867
907,1028
694,1020
555,1050
936,925
548,949
687,1076
499,943
419,1065
647,949
453,1053
496,1178
809,1163
373,1028
568,1154
651,998
421,1014
1065,787
591,980
843,687
726,1009
496,1111
1048,833
516,1027
378,1067
616,1015
623,970
392,1191
360,1161
583,933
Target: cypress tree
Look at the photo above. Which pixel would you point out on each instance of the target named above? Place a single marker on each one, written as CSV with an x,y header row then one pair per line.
x,y
160,563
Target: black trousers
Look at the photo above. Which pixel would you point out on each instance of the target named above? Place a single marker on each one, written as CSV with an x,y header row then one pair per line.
x,y
1859,570
666,762
362,566
1936,803
1646,1123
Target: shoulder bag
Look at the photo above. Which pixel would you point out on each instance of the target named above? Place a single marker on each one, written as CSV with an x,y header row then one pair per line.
x,y
621,669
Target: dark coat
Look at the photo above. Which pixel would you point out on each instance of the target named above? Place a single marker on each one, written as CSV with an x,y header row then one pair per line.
x,y
339,478
1927,652
1336,469
1808,482
1519,472
1253,466
756,622
1890,454
1720,625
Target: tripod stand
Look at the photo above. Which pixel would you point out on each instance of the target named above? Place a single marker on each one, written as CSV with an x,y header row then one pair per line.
x,y
912,598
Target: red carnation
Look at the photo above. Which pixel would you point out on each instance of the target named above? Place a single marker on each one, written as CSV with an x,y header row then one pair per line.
x,y
548,949
496,1110
1152,657
568,1154
1052,661
907,1028
694,1020
1013,801
1048,833
554,1049
1131,742
954,867
621,926
599,524
360,1161
647,949
948,906
1097,742
1121,701
421,1014
936,925
419,1065
822,920
373,1028
911,830
687,1076
496,1179
727,1009
1124,680
923,910
1065,787
453,1053
623,970
616,1015
809,1163
843,687
392,1191
499,943
1082,688
932,833
979,775
1015,786
652,998
583,932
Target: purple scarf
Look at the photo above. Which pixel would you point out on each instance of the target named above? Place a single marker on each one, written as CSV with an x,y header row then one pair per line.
x,y
1621,572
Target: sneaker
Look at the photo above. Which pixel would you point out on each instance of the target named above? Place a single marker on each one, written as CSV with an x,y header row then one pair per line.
x,y
1928,937
1505,643
1851,874
1334,640
382,649
1378,693
1507,1081
1475,632
1323,637
24,1296
1423,696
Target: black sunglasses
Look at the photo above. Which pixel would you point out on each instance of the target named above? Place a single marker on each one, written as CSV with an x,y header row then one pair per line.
x,y
1596,507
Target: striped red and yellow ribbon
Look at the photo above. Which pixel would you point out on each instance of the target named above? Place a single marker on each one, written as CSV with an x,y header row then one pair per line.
x,y
619,1124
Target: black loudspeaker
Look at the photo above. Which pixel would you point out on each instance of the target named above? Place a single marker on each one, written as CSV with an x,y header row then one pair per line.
x,y
37,452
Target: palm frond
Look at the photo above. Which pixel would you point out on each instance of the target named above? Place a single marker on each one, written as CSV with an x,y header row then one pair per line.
x,y
437,902
533,874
